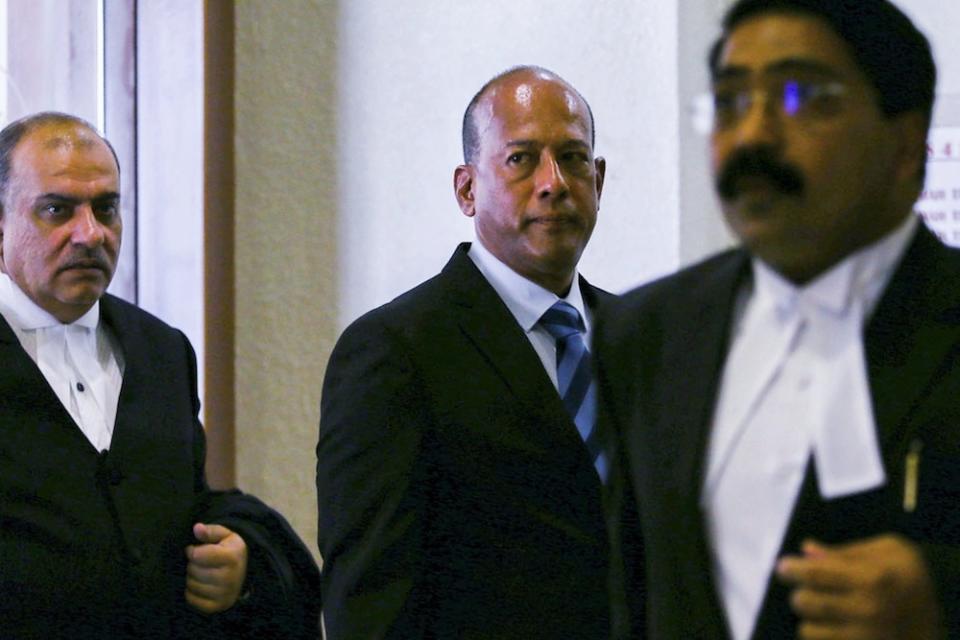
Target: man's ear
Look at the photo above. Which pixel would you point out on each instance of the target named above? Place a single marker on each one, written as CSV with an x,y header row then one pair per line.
x,y
600,165
463,188
912,148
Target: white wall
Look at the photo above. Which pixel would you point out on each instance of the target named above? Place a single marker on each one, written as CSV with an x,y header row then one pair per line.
x,y
406,73
169,171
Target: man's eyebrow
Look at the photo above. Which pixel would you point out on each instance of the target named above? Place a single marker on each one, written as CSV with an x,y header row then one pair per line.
x,y
60,197
786,65
802,65
729,73
533,143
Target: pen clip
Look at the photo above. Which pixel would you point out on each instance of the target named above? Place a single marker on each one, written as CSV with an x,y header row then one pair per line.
x,y
911,477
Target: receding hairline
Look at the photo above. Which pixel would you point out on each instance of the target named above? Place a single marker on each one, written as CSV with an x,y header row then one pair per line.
x,y
32,124
65,132
540,73
471,138
79,135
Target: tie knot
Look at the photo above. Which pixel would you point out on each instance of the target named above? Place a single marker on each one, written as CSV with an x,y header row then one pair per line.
x,y
562,320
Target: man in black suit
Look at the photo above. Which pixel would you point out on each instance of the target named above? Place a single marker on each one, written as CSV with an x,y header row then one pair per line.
x,y
107,528
457,496
785,416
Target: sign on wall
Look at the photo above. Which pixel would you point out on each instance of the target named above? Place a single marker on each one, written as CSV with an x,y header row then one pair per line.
x,y
939,204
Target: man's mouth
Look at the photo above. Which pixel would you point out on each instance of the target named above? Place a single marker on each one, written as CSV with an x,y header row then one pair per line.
x,y
85,265
556,220
755,184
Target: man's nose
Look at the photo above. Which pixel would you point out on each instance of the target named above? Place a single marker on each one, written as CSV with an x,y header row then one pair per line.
x,y
550,181
761,123
87,230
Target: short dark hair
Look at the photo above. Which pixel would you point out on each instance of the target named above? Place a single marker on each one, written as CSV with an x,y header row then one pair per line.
x,y
886,45
471,137
13,133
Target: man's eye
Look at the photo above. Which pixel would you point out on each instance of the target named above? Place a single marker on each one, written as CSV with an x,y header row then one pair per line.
x,y
729,102
796,96
813,98
518,157
107,211
55,210
576,156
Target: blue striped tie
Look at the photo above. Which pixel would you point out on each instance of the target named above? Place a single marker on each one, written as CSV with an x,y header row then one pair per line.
x,y
574,376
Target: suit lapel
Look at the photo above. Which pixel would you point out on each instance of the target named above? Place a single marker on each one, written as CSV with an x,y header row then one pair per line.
x,y
20,374
19,370
488,324
697,354
912,331
131,412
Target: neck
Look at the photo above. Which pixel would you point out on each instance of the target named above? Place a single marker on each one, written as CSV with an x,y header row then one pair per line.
x,y
558,285
804,270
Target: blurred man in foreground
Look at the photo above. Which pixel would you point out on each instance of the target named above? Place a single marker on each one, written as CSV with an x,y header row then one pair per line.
x,y
785,414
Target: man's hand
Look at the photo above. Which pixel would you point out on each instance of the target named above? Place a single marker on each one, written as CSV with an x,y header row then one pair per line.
x,y
872,590
216,568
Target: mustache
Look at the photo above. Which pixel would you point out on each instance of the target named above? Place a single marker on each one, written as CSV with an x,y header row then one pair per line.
x,y
88,259
758,162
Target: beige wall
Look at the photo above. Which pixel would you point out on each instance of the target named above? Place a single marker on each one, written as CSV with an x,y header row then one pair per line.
x,y
286,176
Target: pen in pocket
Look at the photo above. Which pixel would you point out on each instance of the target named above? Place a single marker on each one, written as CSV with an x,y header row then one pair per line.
x,y
911,477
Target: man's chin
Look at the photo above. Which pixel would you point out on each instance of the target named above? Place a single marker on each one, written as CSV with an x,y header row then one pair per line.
x,y
760,234
762,216
82,295
82,283
68,307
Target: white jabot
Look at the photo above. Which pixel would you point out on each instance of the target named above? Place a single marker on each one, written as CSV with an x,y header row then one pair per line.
x,y
528,301
80,361
794,385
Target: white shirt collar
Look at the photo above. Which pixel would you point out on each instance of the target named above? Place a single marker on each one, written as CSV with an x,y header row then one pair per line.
x,y
21,310
525,299
861,276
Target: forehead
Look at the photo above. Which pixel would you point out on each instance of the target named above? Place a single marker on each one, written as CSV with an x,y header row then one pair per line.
x,y
776,41
62,150
535,105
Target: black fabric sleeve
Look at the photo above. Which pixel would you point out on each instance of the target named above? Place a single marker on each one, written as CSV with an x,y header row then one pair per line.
x,y
370,487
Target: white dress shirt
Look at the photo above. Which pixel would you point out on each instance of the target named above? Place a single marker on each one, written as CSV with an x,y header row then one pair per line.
x,y
80,361
794,385
528,301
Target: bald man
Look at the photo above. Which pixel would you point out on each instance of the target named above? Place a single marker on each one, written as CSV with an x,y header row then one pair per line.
x,y
459,482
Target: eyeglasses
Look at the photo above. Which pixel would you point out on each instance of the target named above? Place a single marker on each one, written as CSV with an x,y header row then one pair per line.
x,y
795,100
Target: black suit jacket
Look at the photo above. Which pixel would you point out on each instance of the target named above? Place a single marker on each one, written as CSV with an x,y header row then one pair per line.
x,y
456,497
92,544
660,353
